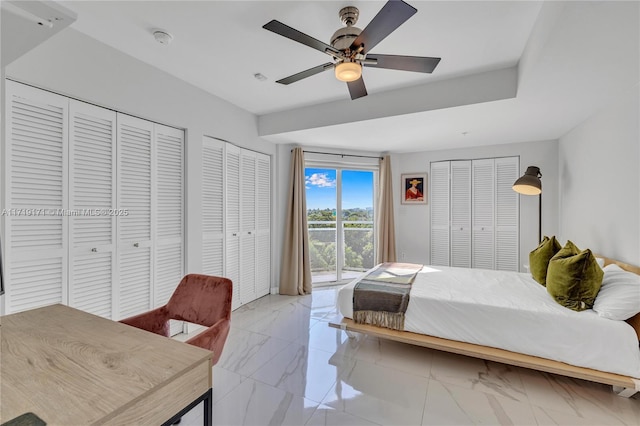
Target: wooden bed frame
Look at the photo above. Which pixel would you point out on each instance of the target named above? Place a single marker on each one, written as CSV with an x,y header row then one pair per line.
x,y
623,385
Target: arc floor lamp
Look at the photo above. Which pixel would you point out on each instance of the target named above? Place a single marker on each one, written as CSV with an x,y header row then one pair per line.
x,y
530,184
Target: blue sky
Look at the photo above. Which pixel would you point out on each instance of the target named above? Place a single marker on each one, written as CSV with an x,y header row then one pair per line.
x,y
357,188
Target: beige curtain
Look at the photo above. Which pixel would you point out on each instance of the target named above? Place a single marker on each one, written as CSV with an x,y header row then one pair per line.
x,y
385,228
295,273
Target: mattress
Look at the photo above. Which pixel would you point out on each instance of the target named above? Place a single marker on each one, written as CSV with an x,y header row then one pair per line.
x,y
509,310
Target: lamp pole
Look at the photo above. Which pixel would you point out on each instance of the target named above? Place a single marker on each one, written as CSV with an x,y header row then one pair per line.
x,y
540,218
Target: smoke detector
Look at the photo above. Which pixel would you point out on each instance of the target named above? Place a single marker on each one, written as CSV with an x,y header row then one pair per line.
x,y
162,37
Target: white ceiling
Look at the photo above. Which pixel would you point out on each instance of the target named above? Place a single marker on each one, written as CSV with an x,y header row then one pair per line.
x,y
219,45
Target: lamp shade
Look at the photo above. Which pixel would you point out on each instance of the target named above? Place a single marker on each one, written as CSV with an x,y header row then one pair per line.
x,y
529,183
348,71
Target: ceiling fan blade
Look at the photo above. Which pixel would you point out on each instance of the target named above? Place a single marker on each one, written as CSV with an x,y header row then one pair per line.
x,y
403,63
307,73
357,88
393,14
295,35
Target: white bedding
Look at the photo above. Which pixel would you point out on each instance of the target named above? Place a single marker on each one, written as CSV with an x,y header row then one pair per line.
x,y
511,311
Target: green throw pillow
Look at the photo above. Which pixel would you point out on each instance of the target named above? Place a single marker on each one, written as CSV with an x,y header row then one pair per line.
x,y
540,257
574,277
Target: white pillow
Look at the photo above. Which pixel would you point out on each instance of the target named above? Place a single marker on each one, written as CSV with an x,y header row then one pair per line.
x,y
619,295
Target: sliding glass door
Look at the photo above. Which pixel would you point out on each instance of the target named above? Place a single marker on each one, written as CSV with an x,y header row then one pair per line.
x,y
340,219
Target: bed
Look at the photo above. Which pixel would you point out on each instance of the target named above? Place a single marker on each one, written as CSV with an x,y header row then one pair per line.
x,y
508,317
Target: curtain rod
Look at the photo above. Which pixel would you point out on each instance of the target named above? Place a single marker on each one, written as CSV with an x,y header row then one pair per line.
x,y
342,155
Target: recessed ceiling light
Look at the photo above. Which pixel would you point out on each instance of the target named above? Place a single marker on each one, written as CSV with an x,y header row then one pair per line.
x,y
162,37
260,77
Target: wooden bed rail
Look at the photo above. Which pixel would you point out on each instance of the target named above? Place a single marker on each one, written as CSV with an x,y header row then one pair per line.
x,y
488,353
625,266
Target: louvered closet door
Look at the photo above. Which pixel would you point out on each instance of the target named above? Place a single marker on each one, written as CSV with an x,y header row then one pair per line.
x,y
440,213
212,206
507,214
247,226
461,214
232,220
263,225
35,175
92,148
135,138
169,212
483,214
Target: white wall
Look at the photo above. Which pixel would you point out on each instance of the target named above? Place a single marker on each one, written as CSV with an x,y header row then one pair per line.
x,y
413,235
76,65
2,154
600,181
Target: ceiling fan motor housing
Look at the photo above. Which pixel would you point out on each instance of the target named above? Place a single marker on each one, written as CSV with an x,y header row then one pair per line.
x,y
344,37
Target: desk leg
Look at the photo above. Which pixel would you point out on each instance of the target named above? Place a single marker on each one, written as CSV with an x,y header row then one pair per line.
x,y
207,400
208,408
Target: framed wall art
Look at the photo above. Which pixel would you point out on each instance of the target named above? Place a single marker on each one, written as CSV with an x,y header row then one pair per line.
x,y
414,188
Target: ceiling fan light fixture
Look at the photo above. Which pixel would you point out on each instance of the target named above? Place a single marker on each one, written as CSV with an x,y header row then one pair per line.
x,y
348,71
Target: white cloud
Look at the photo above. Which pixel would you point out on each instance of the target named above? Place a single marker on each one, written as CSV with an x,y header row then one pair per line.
x,y
321,180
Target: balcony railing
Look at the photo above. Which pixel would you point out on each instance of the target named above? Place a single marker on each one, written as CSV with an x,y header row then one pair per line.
x,y
358,249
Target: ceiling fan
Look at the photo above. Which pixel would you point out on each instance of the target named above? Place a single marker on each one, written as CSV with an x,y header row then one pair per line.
x,y
350,46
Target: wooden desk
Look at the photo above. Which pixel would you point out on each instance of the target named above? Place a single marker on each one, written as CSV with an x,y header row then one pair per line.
x,y
72,368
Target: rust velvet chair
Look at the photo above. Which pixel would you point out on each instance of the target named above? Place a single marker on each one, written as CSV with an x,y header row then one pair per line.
x,y
200,299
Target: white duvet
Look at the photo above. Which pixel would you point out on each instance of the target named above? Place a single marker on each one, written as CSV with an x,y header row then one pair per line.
x,y
511,311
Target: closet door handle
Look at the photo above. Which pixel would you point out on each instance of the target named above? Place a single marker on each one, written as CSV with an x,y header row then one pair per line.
x,y
136,244
94,250
234,234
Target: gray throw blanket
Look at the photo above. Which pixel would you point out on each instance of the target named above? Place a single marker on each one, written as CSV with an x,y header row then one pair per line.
x,y
381,297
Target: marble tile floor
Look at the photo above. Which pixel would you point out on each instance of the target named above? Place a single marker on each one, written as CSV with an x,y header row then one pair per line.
x,y
283,365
